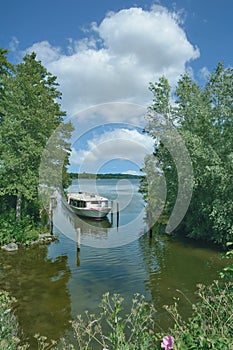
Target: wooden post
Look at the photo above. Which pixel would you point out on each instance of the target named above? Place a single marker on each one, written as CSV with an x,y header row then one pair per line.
x,y
78,246
78,238
118,213
150,224
151,233
112,209
51,215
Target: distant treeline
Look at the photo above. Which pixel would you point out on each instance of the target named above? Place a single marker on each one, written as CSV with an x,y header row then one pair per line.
x,y
104,176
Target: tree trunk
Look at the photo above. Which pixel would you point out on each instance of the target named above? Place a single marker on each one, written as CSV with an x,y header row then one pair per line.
x,y
18,206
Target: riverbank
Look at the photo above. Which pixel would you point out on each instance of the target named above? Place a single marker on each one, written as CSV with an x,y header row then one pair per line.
x,y
43,238
24,232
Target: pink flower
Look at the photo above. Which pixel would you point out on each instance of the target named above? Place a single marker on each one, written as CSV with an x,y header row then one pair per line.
x,y
167,343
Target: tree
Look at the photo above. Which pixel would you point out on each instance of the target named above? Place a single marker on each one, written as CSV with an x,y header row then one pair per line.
x,y
31,114
203,118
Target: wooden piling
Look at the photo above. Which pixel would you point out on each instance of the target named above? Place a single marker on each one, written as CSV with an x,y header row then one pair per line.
x,y
51,215
78,246
151,233
118,214
78,238
112,210
150,224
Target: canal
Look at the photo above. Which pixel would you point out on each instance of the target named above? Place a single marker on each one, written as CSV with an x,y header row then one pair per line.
x,y
54,283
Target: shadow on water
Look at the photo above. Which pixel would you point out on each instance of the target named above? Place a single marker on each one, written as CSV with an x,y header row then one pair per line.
x,y
40,286
174,269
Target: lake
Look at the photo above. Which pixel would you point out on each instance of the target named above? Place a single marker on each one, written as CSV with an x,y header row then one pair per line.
x,y
54,283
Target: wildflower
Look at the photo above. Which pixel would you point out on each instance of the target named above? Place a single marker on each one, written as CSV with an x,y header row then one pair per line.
x,y
167,343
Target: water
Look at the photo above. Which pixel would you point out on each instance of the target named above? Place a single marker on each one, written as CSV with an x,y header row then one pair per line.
x,y
55,283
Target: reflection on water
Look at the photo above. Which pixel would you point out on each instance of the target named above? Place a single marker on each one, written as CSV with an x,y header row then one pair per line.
x,y
55,283
39,284
174,268
111,233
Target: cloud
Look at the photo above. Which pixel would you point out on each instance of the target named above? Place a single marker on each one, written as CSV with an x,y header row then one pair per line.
x,y
47,53
204,73
119,57
104,79
122,143
13,44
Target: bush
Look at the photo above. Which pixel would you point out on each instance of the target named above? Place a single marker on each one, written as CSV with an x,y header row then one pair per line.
x,y
227,272
113,330
23,231
211,325
8,324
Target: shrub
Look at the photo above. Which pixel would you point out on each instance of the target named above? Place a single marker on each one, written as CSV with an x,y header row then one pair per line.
x,y
227,272
8,324
23,231
211,325
114,330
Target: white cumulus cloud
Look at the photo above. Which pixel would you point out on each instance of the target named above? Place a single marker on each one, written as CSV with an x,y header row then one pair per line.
x,y
119,57
122,143
104,78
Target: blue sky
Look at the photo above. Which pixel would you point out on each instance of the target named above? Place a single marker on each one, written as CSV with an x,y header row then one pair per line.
x,y
106,52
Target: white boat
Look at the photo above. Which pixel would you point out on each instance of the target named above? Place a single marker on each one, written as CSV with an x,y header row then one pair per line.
x,y
89,205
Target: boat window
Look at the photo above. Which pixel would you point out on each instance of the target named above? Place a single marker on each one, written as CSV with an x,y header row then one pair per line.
x,y
73,202
78,203
81,204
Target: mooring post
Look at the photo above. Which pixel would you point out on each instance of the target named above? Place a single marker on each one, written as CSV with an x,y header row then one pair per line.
x,y
150,225
78,246
51,215
112,209
118,214
151,233
78,238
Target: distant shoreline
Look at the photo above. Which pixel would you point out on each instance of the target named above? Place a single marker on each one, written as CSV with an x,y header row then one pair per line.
x,y
104,176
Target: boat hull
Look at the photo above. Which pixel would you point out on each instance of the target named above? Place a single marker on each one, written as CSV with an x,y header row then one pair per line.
x,y
91,213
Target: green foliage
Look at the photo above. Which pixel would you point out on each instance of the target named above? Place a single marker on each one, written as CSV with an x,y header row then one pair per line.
x,y
209,327
204,119
9,329
152,188
29,115
24,231
227,272
211,324
103,176
112,329
43,343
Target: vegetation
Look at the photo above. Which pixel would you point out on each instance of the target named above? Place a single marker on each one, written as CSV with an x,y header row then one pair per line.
x,y
203,116
9,330
209,327
227,272
23,231
103,176
29,114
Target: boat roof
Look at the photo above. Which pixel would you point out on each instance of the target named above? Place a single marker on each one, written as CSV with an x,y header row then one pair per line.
x,y
87,197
